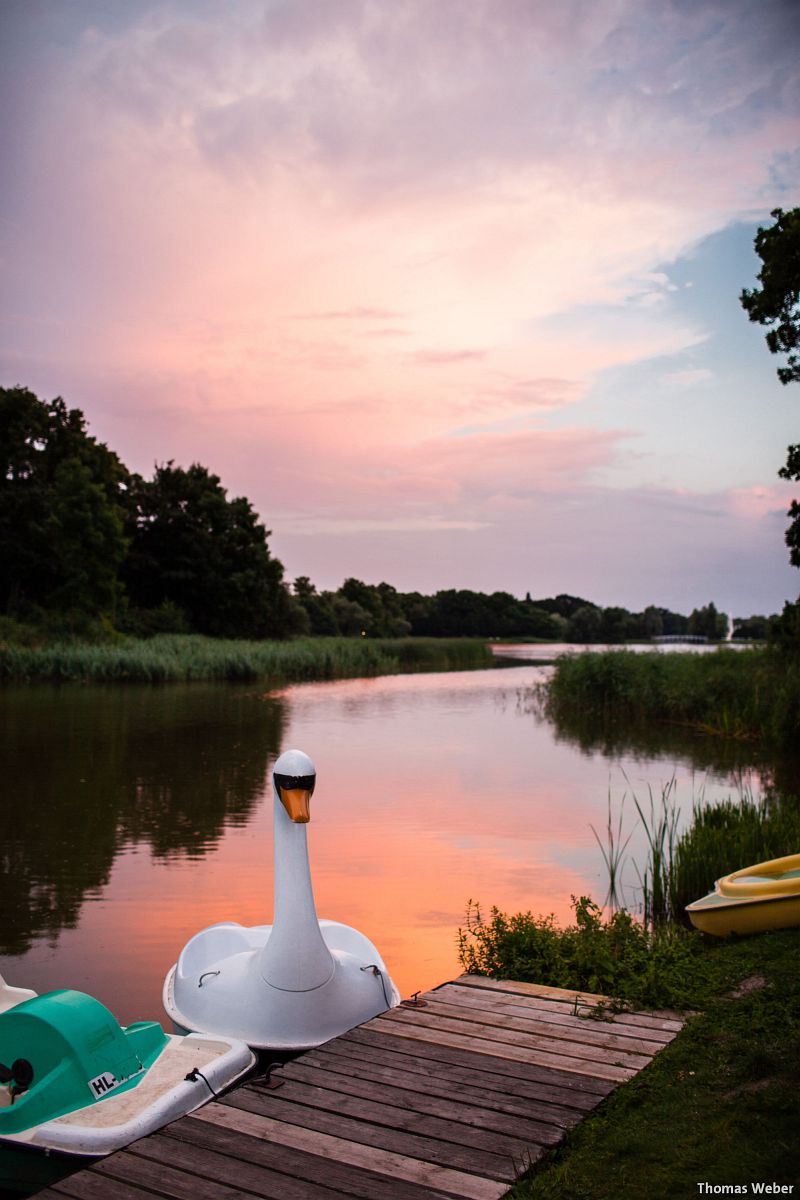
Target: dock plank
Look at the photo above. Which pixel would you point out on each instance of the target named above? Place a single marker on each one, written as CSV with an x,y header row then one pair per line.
x,y
565,1087
163,1180
500,1029
449,1099
409,1117
498,1044
375,1158
565,998
346,1178
540,1012
470,1086
458,1110
85,1185
223,1169
397,1138
586,1034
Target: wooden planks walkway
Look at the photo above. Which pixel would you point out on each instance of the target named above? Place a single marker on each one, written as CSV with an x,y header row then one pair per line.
x,y
455,1096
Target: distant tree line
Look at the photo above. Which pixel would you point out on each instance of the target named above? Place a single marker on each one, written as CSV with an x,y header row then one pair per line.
x,y
83,539
381,611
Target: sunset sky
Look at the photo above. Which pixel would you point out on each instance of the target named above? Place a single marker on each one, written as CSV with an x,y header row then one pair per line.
x,y
447,288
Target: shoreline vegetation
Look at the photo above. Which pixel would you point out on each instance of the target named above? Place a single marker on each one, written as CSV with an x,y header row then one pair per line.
x,y
720,1102
173,658
753,695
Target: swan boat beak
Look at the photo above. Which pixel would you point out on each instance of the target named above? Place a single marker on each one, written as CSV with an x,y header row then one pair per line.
x,y
295,793
296,803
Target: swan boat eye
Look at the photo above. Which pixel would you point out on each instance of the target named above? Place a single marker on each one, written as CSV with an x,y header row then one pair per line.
x,y
299,783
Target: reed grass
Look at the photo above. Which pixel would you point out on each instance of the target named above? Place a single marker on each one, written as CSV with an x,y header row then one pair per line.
x,y
725,837
660,825
682,867
613,853
741,694
173,657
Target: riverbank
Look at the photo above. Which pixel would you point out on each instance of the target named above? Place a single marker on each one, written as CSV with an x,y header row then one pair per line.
x,y
171,658
717,1106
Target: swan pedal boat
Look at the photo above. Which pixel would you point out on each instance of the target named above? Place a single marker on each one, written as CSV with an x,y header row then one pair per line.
x,y
288,986
753,900
74,1082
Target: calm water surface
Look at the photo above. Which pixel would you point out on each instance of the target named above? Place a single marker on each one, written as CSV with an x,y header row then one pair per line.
x,y
134,816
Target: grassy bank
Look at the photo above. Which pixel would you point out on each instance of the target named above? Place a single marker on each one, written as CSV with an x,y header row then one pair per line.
x,y
753,693
173,657
719,1104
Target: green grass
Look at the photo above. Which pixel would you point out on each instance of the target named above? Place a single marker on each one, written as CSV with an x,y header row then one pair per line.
x,y
740,694
719,1105
175,657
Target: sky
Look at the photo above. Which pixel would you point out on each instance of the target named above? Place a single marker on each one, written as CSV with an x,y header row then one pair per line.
x,y
449,289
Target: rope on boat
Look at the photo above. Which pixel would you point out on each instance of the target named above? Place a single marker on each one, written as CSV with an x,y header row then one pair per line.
x,y
377,971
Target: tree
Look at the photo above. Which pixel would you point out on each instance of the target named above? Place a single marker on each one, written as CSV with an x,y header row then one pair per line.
x,y
777,304
707,622
755,628
777,301
584,624
208,555
62,505
792,471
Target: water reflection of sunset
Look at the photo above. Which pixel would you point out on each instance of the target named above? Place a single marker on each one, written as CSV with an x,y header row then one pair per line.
x,y
432,790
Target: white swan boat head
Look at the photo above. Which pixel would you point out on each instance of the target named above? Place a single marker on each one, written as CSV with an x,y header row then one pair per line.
x,y
293,984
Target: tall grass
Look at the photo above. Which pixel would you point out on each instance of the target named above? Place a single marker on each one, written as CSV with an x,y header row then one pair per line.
x,y
726,837
721,838
752,693
613,854
660,825
174,657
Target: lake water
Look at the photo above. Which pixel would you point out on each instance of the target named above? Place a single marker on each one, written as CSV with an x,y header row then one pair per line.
x,y
134,816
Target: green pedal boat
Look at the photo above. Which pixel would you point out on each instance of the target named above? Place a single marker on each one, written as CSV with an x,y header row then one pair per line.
x,y
74,1082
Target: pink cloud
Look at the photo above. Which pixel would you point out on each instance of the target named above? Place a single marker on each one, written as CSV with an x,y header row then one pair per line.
x,y
445,358
305,243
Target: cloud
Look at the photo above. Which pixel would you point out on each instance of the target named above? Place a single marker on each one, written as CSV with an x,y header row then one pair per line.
x,y
360,313
689,377
445,358
370,261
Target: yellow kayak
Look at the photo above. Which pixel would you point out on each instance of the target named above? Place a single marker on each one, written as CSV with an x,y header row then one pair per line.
x,y
755,899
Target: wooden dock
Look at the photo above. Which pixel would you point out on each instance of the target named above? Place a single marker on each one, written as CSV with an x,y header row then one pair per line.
x,y
454,1096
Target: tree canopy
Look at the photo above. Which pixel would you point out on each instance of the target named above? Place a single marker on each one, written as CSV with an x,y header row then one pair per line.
x,y
63,498
193,548
80,534
777,304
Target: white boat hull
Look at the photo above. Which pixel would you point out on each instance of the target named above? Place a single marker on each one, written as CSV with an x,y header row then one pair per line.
x,y
216,987
163,1095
